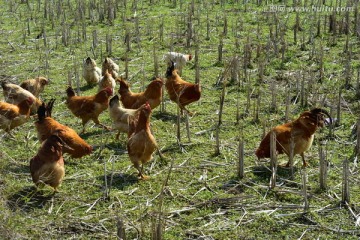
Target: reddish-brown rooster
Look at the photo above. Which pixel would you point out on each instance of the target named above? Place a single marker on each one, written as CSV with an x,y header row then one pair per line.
x,y
301,130
47,126
88,107
180,91
152,94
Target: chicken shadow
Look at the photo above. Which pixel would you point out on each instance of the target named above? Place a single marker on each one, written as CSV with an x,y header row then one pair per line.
x,y
119,181
28,199
93,132
263,173
87,87
234,186
19,168
165,116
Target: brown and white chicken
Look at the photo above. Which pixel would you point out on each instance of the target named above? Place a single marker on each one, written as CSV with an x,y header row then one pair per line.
x,y
120,116
12,116
111,67
107,81
35,85
15,94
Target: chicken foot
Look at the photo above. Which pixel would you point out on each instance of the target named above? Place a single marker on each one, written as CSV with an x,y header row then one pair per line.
x,y
305,164
140,170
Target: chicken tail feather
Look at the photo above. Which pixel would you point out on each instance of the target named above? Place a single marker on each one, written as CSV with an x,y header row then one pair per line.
x,y
170,69
41,112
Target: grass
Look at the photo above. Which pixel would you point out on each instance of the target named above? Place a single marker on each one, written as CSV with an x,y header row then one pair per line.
x,y
203,197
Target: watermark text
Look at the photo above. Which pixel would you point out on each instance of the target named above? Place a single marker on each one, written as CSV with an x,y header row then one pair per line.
x,y
283,8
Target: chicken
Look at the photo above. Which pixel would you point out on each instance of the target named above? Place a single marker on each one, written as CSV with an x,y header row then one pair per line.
x,y
91,73
152,94
301,130
47,126
12,116
88,107
111,66
47,167
179,59
180,91
121,116
141,143
14,94
35,86
107,81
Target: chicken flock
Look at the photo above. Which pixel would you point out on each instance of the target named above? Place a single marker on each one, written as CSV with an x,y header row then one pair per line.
x,y
129,112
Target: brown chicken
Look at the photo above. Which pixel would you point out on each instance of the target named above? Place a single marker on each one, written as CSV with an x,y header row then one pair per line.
x,y
88,107
141,143
15,94
47,126
111,67
12,116
91,73
47,167
35,86
107,81
180,91
152,94
121,116
301,130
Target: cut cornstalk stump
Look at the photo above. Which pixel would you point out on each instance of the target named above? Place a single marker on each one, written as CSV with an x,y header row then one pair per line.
x,y
358,139
273,160
291,157
323,169
187,124
120,229
287,105
240,170
345,183
304,185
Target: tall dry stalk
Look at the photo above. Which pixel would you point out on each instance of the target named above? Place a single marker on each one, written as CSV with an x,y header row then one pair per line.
x,y
338,109
220,49
187,124
287,104
156,61
108,44
323,169
273,160
257,107
222,99
273,90
126,66
159,223
345,196
178,121
240,171
304,185
291,156
357,147
120,233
